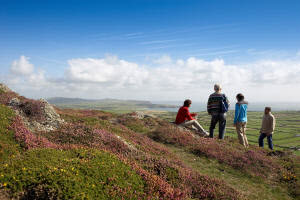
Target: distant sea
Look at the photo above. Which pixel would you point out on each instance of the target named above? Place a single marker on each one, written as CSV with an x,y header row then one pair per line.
x,y
258,106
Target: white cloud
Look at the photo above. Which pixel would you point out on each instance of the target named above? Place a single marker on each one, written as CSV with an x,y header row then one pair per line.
x,y
109,71
24,75
168,80
298,53
22,66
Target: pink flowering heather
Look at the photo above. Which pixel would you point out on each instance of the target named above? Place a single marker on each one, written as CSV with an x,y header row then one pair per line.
x,y
252,161
80,134
5,97
28,139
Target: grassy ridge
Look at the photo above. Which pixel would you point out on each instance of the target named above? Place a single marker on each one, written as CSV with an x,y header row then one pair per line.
x,y
62,174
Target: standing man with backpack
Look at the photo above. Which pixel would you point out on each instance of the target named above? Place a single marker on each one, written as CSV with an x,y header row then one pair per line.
x,y
217,106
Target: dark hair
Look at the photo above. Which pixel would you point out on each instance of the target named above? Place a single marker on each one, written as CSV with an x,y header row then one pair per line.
x,y
187,103
268,108
240,97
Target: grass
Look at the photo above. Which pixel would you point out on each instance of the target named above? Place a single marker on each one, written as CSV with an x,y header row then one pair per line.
x,y
286,135
62,174
8,146
71,174
88,160
251,187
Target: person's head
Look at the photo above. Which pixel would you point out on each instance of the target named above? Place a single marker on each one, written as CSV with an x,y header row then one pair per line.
x,y
240,97
187,103
217,88
267,110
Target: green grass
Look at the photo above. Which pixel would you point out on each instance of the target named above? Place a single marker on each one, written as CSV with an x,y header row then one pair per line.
x,y
71,174
8,146
62,174
251,187
286,135
84,173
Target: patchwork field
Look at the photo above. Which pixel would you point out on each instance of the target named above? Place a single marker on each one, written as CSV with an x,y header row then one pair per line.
x,y
286,136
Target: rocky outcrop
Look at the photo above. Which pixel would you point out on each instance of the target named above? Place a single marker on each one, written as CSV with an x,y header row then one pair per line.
x,y
37,115
4,88
141,115
50,120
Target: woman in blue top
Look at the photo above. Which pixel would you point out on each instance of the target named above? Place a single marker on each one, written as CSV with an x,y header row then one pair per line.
x,y
240,119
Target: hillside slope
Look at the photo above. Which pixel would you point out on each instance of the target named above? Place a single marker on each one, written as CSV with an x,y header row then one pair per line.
x,y
92,154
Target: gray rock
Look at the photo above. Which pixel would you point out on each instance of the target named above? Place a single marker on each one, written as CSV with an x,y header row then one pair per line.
x,y
14,102
142,115
4,88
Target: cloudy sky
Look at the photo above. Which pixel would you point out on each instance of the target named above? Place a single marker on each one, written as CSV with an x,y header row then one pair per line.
x,y
151,49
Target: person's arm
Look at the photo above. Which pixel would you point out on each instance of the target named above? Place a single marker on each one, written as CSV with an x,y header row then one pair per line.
x,y
208,105
193,114
273,124
226,99
237,110
262,122
188,114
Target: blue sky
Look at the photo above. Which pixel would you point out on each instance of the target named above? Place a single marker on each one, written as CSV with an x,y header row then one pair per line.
x,y
145,32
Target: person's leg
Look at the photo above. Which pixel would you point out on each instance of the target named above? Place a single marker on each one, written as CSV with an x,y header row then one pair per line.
x,y
213,122
239,132
270,141
199,127
261,139
188,123
222,125
244,134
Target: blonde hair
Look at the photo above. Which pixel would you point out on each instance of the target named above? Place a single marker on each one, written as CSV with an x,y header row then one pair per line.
x,y
217,87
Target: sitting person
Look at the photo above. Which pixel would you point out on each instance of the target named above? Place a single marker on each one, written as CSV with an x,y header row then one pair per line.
x,y
186,119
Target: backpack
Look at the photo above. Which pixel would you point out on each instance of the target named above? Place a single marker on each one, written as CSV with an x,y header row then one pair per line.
x,y
224,105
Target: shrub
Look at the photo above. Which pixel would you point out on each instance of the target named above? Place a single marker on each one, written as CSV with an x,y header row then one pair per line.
x,y
172,135
135,125
27,139
8,146
72,174
80,134
254,161
33,109
5,97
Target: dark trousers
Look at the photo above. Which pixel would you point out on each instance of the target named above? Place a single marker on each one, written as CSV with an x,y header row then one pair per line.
x,y
221,118
261,140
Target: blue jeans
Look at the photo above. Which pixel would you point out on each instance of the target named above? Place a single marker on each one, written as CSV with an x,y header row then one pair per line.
x,y
261,140
221,118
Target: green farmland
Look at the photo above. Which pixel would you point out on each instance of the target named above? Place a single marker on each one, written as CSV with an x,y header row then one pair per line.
x,y
287,132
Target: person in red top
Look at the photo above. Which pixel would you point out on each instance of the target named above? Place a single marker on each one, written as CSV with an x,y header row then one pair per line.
x,y
187,119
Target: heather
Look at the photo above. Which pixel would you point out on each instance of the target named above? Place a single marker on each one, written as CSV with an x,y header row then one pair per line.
x,y
72,174
253,160
8,146
167,178
100,155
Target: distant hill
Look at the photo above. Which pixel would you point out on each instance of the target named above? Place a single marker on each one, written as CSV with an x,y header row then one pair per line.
x,y
107,104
